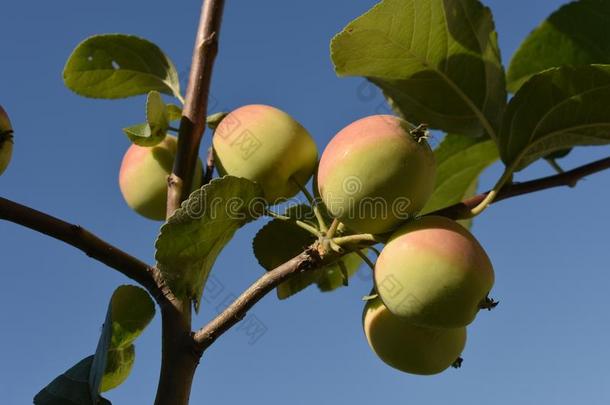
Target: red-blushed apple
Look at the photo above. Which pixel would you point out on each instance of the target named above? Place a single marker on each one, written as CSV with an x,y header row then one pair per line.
x,y
407,347
375,174
434,273
143,177
268,146
6,140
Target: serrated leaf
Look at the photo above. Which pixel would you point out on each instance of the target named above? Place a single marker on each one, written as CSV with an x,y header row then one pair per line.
x,y
194,236
437,61
556,109
576,34
71,388
279,241
117,66
459,162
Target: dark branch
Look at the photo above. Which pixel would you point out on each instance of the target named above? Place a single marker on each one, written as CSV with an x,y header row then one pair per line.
x,y
148,277
310,259
195,108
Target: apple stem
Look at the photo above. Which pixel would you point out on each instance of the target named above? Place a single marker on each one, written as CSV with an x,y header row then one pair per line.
x,y
333,228
374,249
297,222
314,205
365,238
370,297
365,259
490,197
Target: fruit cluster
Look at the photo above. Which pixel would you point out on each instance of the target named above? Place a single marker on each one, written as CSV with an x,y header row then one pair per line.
x,y
432,276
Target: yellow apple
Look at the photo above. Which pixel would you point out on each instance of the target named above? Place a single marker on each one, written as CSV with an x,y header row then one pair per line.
x,y
268,146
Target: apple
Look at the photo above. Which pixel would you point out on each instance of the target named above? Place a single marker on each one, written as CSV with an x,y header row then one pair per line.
x,y
375,174
407,347
143,177
434,273
265,145
6,140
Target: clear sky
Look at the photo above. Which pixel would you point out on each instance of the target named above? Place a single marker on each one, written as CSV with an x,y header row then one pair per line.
x,y
547,342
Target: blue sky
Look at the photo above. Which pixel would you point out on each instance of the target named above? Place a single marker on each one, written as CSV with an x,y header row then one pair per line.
x,y
545,343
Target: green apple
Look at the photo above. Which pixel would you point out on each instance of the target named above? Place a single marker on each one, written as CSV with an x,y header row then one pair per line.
x,y
407,347
434,273
374,174
265,145
143,177
6,140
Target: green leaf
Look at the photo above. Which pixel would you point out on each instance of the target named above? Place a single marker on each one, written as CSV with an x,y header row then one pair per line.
x,y
71,388
197,232
155,129
556,109
174,112
129,312
118,367
459,162
437,61
576,34
118,66
279,241
157,115
140,134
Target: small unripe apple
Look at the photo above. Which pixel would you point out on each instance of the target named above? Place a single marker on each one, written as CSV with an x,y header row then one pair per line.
x,y
6,140
407,347
143,177
434,273
265,145
374,174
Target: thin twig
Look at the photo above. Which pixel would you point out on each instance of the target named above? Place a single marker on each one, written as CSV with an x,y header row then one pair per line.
x,y
235,312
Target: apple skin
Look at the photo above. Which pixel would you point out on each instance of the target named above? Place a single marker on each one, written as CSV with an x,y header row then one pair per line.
x,y
407,347
143,177
374,174
434,273
265,145
6,140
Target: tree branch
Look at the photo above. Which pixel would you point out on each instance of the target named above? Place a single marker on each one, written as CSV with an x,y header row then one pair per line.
x,y
311,258
94,247
179,358
569,178
308,260
192,124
